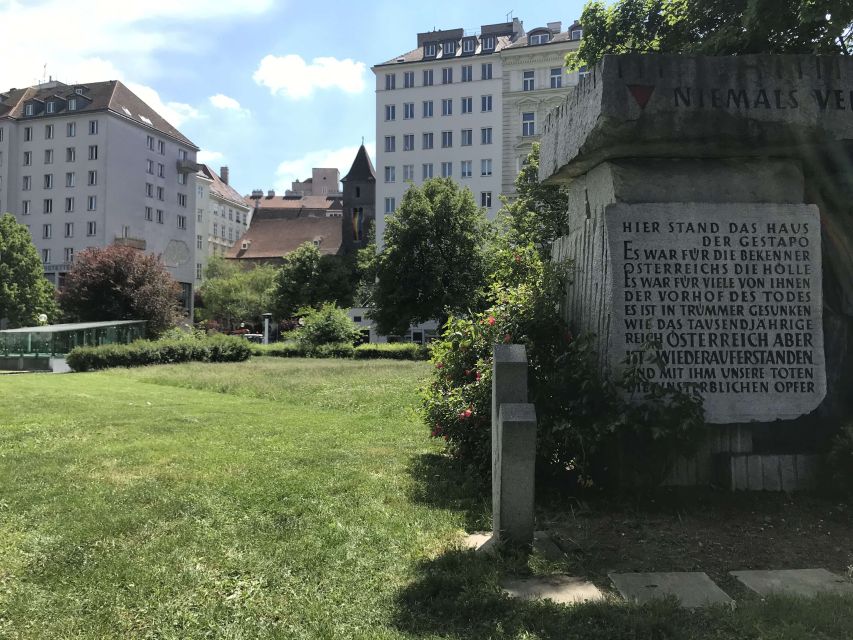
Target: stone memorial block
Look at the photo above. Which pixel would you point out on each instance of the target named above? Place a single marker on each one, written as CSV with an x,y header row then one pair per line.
x,y
727,297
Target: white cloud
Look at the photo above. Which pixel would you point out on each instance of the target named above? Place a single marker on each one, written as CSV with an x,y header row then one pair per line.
x,y
300,168
292,77
207,157
221,101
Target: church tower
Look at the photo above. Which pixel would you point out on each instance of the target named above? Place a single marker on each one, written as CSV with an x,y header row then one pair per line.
x,y
359,202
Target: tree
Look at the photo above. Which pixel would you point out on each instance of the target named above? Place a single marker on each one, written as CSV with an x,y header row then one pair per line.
x,y
714,27
24,292
433,262
308,279
121,283
231,294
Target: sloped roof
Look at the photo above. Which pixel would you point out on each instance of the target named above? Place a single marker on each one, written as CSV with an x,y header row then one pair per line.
x,y
219,188
362,167
563,36
271,238
111,95
417,55
318,203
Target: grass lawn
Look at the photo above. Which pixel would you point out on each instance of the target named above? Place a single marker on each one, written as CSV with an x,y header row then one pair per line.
x,y
275,499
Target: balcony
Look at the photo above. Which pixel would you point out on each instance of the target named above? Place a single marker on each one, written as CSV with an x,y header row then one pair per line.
x,y
187,166
135,243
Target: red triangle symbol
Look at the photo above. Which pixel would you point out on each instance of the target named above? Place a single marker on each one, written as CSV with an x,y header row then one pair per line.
x,y
641,93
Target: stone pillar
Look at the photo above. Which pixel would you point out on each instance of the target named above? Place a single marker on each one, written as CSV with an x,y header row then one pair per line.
x,y
513,482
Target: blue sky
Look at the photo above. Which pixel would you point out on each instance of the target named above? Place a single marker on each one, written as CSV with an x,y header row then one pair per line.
x,y
268,87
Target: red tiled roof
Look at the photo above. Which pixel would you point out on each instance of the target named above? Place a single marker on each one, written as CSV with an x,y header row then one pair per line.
x,y
271,238
304,202
219,188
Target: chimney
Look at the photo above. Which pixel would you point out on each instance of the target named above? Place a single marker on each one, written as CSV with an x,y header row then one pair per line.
x,y
271,193
223,174
555,27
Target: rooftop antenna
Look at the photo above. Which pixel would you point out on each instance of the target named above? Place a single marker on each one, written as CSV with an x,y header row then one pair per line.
x,y
509,15
44,75
362,140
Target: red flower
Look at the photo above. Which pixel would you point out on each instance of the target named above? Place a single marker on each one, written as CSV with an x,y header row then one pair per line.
x,y
507,339
437,431
491,321
517,258
477,376
467,372
467,413
439,365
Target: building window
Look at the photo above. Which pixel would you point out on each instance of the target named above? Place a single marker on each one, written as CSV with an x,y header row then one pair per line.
x,y
486,167
48,205
70,154
390,112
540,38
161,194
448,48
46,231
71,129
160,216
488,43
198,270
528,80
446,139
215,228
51,107
69,229
92,178
426,171
182,154
467,137
93,150
182,178
93,127
390,81
390,174
467,73
446,169
577,34
161,147
427,108
48,181
408,79
408,142
149,167
91,203
486,135
48,156
486,71
468,45
486,199
465,168
390,144
45,255
390,205
1,134
528,123
149,190
69,254
447,107
161,170
182,222
428,77
149,215
427,141
91,228
28,110
27,183
182,200
28,158
25,208
149,142
408,172
408,110
198,242
485,103
48,132
429,50
69,179
72,104
69,205
28,134
447,75
556,78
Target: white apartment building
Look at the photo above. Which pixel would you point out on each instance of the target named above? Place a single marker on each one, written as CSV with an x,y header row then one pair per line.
x,y
90,165
222,216
459,106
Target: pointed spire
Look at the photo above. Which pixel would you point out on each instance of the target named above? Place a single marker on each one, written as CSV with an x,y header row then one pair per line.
x,y
362,167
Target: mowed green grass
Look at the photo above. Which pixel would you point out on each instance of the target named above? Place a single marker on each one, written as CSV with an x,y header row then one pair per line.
x,y
274,499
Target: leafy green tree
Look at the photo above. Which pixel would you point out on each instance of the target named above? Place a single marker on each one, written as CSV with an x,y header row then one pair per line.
x,y
714,27
308,279
327,325
433,262
24,292
120,283
232,294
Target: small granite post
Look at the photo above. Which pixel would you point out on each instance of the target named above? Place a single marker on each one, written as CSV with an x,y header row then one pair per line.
x,y
512,508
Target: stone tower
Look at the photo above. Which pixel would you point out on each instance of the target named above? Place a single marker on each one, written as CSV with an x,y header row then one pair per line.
x,y
359,202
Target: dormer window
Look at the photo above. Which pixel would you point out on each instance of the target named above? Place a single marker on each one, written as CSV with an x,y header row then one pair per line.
x,y
72,104
577,34
449,48
51,107
488,43
540,38
29,110
79,91
468,45
429,49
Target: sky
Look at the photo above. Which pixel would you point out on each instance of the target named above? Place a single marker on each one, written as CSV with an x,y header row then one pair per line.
x,y
270,88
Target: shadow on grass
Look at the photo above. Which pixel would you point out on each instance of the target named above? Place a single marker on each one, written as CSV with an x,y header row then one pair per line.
x,y
442,483
458,595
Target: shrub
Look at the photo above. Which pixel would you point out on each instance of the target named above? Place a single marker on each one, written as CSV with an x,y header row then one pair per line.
x,y
334,350
166,351
392,351
289,349
327,325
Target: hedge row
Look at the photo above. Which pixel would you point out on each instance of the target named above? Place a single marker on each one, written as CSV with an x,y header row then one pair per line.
x,y
395,351
146,352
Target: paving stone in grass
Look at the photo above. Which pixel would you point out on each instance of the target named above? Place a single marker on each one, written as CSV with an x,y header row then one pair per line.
x,y
561,589
801,582
692,589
